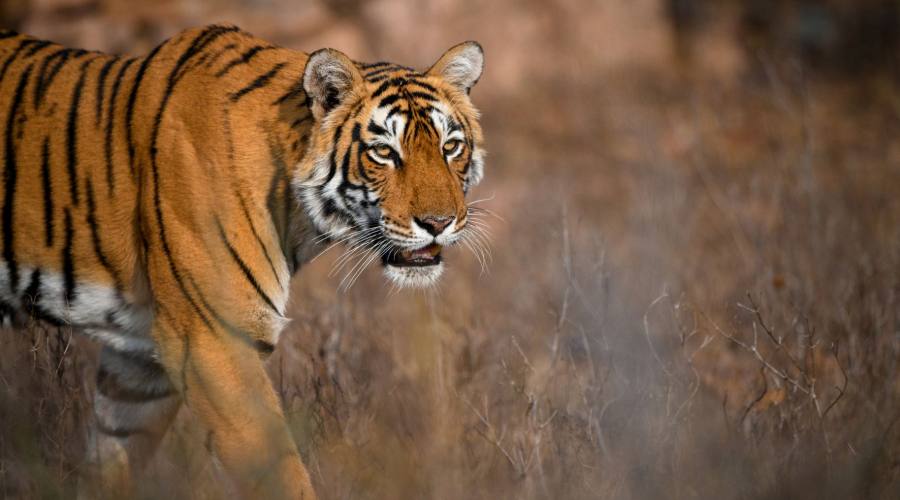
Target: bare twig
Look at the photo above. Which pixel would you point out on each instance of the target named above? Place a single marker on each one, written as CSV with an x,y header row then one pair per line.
x,y
659,361
843,388
758,398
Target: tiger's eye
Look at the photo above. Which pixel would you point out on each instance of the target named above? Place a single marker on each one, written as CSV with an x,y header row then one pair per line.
x,y
383,151
451,146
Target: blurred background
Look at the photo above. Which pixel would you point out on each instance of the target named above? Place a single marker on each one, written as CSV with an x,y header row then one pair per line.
x,y
693,286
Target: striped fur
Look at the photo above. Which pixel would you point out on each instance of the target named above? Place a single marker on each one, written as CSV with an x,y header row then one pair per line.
x,y
162,203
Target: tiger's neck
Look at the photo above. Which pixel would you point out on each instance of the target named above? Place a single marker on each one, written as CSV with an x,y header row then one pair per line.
x,y
269,126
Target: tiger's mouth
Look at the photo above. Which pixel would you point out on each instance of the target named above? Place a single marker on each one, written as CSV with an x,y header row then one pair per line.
x,y
429,255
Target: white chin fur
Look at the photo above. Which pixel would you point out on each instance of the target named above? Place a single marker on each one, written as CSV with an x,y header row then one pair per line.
x,y
414,277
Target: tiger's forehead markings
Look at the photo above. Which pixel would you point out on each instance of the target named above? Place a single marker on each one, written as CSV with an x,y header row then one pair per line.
x,y
376,72
447,127
412,109
387,126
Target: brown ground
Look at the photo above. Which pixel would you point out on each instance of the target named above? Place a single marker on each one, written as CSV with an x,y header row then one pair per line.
x,y
692,293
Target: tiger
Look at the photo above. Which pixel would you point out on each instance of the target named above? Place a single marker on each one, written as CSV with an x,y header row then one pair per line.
x,y
161,205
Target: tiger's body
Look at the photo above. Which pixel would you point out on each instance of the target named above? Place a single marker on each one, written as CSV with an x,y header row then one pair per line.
x,y
161,205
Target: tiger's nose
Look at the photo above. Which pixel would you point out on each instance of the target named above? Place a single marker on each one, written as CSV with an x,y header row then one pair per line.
x,y
434,224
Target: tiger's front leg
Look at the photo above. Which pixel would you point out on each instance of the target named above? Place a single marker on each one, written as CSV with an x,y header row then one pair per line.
x,y
221,377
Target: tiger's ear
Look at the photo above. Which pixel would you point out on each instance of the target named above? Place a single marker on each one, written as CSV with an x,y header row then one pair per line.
x,y
461,65
329,79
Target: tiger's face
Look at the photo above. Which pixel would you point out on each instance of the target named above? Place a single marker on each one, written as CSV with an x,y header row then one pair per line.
x,y
392,156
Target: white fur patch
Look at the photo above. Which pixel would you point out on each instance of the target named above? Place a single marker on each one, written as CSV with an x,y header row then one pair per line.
x,y
476,169
394,126
414,277
97,309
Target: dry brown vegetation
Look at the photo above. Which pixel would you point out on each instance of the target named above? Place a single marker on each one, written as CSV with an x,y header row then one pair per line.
x,y
692,292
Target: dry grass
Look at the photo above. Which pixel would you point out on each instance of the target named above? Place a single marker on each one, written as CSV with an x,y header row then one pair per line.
x,y
693,293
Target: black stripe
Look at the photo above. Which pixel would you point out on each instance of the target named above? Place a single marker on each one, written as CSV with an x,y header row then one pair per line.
x,y
453,125
259,240
112,389
33,290
95,235
395,157
380,71
395,110
329,207
381,78
48,192
296,90
393,82
101,89
202,40
42,73
38,312
14,56
68,262
10,172
138,360
299,121
228,327
118,432
32,298
375,65
359,151
110,123
209,35
381,89
7,34
260,82
424,85
72,134
215,58
410,128
132,99
36,47
199,62
244,269
422,95
263,346
243,59
387,101
345,164
43,82
376,128
332,165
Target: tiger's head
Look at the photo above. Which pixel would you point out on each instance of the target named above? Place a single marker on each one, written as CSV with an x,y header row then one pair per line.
x,y
392,154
